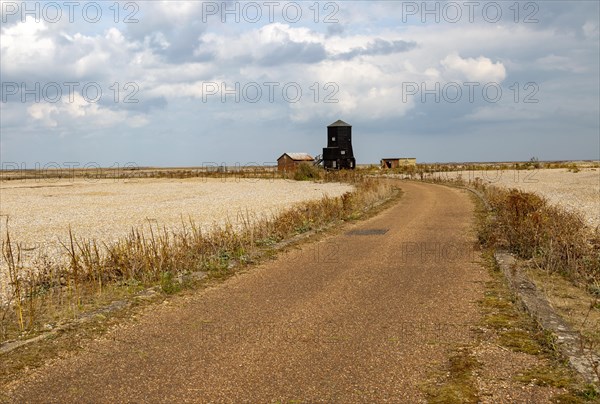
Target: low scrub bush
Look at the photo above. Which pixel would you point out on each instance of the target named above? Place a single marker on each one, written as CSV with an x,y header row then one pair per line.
x,y
307,172
551,237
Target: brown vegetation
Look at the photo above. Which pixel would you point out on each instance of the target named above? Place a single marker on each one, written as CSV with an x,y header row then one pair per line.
x,y
555,240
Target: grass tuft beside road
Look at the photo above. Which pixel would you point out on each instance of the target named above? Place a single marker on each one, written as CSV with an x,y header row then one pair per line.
x,y
457,386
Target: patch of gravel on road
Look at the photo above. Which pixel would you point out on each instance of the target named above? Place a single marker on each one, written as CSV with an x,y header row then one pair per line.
x,y
577,192
40,212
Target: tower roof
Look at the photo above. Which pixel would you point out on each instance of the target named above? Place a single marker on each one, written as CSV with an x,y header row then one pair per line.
x,y
339,122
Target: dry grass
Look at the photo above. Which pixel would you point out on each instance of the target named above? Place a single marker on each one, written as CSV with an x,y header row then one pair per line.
x,y
580,309
429,169
132,171
49,291
555,240
575,190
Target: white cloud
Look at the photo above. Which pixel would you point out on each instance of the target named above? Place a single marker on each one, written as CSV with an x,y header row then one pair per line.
x,y
81,111
362,90
257,43
25,46
38,50
480,69
44,112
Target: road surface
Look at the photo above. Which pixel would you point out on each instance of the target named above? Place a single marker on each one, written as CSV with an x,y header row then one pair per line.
x,y
365,315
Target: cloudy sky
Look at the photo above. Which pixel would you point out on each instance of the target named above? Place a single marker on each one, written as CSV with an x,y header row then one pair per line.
x,y
185,83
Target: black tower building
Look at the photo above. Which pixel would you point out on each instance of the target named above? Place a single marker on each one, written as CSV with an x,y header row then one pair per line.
x,y
338,154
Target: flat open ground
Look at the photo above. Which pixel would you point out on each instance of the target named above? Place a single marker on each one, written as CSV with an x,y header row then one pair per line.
x,y
40,212
108,209
579,192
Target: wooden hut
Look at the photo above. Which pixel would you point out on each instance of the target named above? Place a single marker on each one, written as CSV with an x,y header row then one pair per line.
x,y
291,161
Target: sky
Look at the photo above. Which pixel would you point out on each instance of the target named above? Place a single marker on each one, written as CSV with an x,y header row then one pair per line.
x,y
192,83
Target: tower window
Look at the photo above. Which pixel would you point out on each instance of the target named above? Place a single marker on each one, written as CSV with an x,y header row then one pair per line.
x,y
343,151
333,138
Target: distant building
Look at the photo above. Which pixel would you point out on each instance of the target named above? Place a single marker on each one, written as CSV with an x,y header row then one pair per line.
x,y
290,161
338,154
396,162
